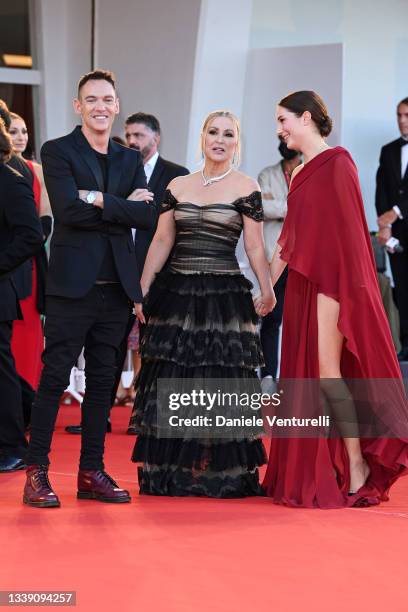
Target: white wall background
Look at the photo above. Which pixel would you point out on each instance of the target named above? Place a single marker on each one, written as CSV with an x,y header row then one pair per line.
x,y
220,64
181,58
150,45
374,34
275,72
63,48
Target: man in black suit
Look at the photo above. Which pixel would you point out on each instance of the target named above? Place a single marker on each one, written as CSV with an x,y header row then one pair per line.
x,y
97,190
142,132
20,238
391,201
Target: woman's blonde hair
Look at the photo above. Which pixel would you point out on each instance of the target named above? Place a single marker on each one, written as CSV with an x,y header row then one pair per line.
x,y
223,113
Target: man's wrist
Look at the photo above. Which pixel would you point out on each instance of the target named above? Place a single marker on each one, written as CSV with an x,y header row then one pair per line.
x,y
99,199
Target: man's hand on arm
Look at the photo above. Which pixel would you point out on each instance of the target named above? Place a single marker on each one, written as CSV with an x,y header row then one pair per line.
x,y
141,195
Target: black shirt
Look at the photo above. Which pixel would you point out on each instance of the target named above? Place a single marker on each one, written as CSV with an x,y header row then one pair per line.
x,y
107,271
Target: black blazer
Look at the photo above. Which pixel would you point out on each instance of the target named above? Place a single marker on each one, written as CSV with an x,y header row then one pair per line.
x,y
20,235
80,229
392,189
164,172
23,275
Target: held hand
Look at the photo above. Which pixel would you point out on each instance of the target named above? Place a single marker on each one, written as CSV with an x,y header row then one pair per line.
x,y
141,195
387,218
257,301
383,235
264,303
139,313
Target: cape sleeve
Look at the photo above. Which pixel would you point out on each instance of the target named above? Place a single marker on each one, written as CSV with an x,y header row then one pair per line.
x,y
325,234
325,238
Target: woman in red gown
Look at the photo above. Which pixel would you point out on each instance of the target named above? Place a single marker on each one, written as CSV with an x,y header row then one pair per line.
x,y
28,339
334,325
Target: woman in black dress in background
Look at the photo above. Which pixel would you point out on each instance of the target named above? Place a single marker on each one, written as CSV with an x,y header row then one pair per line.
x,y
201,318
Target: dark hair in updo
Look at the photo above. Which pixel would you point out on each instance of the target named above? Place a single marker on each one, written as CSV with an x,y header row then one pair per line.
x,y
301,101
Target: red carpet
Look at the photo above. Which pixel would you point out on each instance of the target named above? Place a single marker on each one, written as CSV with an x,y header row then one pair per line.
x,y
185,555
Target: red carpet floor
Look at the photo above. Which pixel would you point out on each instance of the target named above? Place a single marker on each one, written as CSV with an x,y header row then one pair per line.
x,y
185,555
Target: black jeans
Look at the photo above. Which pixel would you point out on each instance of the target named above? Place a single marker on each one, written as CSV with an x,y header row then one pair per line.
x,y
12,438
270,329
96,322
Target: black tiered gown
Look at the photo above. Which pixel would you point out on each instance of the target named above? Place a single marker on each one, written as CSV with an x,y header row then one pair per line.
x,y
201,323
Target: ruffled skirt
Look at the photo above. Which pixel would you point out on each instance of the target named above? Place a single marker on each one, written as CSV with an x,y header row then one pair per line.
x,y
199,326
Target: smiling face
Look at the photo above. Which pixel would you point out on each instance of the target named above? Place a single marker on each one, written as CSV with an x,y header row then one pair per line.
x,y
220,140
97,104
19,135
402,116
292,129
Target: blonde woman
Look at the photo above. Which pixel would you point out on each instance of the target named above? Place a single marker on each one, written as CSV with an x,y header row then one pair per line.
x,y
201,319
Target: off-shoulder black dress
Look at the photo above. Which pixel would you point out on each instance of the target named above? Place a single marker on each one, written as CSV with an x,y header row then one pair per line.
x,y
201,324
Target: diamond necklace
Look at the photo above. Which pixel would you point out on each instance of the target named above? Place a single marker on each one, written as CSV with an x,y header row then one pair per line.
x,y
214,179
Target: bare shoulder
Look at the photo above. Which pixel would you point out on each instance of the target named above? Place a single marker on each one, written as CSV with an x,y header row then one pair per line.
x,y
247,184
297,170
179,183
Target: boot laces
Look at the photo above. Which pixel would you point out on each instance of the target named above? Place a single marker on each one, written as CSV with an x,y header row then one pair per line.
x,y
41,477
110,479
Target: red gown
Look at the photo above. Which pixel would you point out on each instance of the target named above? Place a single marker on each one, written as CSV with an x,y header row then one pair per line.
x,y
325,242
27,341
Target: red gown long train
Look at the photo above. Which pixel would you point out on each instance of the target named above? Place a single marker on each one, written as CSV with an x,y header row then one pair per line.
x,y
325,242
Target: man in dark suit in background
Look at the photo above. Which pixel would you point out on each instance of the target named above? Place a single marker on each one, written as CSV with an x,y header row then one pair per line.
x,y
97,190
142,132
20,238
391,201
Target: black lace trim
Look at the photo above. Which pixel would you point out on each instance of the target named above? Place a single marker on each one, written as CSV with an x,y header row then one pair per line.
x,y
169,201
198,454
250,205
177,482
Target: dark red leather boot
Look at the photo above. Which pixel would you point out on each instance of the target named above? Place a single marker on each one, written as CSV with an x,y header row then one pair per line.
x,y
38,491
95,484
